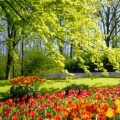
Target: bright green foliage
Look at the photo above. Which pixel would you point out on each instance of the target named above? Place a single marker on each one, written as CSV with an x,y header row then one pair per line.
x,y
114,58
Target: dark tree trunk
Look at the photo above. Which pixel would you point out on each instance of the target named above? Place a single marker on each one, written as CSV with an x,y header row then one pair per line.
x,y
11,47
110,19
61,50
8,66
108,41
71,51
108,27
22,69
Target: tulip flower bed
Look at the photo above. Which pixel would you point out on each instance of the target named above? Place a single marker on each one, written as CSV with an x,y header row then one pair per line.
x,y
25,86
92,104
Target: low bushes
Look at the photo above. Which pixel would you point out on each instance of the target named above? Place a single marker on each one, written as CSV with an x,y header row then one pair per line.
x,y
75,87
38,63
73,66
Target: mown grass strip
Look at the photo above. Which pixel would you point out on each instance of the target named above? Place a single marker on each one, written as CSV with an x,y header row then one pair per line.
x,y
53,86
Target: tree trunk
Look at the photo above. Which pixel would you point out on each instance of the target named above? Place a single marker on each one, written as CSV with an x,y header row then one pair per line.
x,y
13,71
61,50
108,27
108,41
22,69
8,67
11,46
71,51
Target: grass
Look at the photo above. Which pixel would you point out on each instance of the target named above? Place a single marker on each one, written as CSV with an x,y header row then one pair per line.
x,y
4,87
57,85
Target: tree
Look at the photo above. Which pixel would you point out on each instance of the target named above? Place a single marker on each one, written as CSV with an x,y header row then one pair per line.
x,y
110,20
33,19
11,17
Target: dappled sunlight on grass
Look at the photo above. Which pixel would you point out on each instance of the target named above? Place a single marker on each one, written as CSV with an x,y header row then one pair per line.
x,y
53,86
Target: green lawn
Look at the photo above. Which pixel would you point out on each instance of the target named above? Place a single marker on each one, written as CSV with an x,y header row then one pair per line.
x,y
56,85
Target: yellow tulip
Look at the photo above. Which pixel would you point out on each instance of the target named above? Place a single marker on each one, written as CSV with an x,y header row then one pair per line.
x,y
118,109
117,102
110,113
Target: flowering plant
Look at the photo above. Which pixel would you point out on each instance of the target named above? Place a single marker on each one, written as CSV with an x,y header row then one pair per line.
x,y
25,86
92,104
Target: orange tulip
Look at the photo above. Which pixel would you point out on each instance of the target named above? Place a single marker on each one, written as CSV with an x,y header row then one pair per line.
x,y
73,115
76,118
65,114
14,118
48,115
40,119
32,114
99,117
57,117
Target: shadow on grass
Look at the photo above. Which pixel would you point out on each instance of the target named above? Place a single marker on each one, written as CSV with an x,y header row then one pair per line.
x,y
54,90
54,81
4,96
97,85
4,83
48,90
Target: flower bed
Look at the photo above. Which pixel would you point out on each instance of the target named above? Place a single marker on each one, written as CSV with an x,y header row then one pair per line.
x,y
25,86
92,104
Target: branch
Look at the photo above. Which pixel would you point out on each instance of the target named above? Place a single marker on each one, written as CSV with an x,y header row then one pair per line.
x,y
6,13
102,22
104,10
118,30
114,13
112,38
112,29
15,42
15,10
2,42
61,39
19,5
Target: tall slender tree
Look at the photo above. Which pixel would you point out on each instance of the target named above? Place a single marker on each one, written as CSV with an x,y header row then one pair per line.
x,y
110,20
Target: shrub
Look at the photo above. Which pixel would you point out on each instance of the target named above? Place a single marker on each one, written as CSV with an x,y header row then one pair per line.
x,y
75,87
24,87
38,63
107,65
73,65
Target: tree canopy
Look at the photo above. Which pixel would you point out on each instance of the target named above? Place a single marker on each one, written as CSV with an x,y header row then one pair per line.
x,y
56,22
